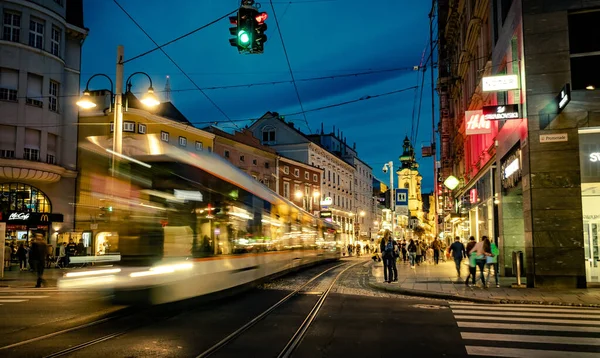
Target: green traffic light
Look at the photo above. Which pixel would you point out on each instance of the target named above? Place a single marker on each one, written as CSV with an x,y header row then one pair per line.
x,y
244,37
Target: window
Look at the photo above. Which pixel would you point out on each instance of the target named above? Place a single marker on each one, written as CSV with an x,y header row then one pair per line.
x,y
306,175
128,126
182,141
55,41
268,135
297,172
36,33
53,96
141,128
254,161
296,189
267,165
286,189
12,27
584,48
9,82
6,153
286,170
31,154
34,90
199,146
242,158
164,136
315,178
50,159
226,153
23,197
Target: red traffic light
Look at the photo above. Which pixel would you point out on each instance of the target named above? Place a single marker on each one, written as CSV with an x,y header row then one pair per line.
x,y
262,17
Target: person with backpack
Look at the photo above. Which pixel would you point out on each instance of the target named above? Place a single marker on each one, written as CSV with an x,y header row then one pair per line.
x,y
389,249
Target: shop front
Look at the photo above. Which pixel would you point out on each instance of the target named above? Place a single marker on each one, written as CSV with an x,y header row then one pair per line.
x,y
21,226
589,147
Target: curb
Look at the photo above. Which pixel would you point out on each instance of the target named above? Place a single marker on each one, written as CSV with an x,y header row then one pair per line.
x,y
455,297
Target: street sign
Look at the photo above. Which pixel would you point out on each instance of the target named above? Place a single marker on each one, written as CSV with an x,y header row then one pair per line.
x,y
402,210
401,197
325,214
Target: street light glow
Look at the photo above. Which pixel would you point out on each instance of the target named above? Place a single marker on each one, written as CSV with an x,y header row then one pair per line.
x,y
85,101
150,98
362,213
298,195
316,194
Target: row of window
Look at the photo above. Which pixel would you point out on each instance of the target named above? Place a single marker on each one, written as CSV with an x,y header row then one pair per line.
x,y
129,126
227,155
286,170
9,88
11,31
28,154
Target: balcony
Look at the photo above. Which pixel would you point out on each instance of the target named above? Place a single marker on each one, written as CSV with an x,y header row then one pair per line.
x,y
20,169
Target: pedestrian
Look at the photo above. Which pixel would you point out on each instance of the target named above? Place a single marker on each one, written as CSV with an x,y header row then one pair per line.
x,y
404,252
37,256
482,249
389,249
412,253
458,252
418,252
492,261
7,255
436,246
22,256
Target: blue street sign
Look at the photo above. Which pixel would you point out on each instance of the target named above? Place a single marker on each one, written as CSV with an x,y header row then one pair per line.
x,y
401,197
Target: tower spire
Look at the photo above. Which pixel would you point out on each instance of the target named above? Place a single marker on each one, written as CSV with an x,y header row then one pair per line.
x,y
168,89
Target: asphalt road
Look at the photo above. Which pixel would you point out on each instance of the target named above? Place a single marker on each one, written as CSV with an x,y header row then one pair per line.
x,y
354,321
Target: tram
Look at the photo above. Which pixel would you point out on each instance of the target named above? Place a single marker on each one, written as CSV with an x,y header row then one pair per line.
x,y
188,224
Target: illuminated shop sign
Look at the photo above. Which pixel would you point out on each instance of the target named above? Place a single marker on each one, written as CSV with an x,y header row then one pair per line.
x,y
555,107
564,97
475,123
595,157
327,201
188,195
500,83
511,170
18,216
325,214
505,111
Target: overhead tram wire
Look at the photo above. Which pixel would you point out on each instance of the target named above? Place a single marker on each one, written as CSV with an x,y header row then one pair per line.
x,y
287,58
412,128
180,37
175,63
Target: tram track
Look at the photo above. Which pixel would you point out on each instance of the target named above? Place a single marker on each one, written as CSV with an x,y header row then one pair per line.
x,y
299,334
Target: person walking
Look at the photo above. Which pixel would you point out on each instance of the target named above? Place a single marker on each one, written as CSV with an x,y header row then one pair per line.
x,y
482,249
412,253
436,246
7,256
458,252
492,261
389,249
37,257
22,256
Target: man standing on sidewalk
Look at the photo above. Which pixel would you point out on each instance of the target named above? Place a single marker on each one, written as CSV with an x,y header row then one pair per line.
x,y
436,246
37,256
457,249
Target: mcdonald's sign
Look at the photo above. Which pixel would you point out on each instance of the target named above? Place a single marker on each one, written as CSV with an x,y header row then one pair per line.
x,y
44,218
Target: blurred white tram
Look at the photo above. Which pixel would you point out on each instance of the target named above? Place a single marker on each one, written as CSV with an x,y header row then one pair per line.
x,y
190,224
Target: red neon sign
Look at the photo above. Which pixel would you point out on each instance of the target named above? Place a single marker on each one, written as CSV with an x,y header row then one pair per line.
x,y
475,123
473,196
260,18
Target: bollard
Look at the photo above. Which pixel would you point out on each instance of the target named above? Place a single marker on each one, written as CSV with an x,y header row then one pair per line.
x,y
517,262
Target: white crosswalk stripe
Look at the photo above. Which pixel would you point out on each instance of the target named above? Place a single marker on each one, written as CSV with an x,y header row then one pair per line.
x,y
529,331
17,299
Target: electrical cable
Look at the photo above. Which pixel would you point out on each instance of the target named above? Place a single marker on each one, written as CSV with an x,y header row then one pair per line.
x,y
287,58
173,61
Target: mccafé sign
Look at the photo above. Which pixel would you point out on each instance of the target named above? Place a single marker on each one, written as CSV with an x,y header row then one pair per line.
x,y
501,112
475,123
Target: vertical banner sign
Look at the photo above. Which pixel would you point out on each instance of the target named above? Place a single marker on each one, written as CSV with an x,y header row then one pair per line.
x,y
475,123
2,242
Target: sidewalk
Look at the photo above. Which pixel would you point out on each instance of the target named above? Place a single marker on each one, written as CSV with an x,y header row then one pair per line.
x,y
27,279
440,281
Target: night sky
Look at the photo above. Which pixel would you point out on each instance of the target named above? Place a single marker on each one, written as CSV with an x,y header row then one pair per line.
x,y
323,38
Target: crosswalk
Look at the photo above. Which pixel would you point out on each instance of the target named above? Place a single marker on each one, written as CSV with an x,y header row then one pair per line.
x,y
531,331
7,299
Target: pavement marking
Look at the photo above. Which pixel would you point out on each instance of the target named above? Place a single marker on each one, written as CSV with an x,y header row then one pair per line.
x,y
558,309
529,314
11,301
1,297
525,338
489,318
525,353
528,327
518,305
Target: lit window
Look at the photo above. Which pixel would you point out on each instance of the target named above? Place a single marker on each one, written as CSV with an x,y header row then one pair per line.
x,y
53,96
164,136
199,146
128,126
182,141
36,33
141,128
55,41
12,27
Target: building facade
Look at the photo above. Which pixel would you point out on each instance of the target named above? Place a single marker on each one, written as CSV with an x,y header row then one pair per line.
x,y
300,183
531,182
246,152
338,176
40,63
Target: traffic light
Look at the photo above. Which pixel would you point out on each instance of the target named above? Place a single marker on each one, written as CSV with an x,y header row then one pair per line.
x,y
249,31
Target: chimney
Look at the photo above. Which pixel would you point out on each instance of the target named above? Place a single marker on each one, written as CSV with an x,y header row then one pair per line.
x,y
338,135
354,146
321,128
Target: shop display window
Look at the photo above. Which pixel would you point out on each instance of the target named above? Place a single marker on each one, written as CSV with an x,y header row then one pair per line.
x,y
23,198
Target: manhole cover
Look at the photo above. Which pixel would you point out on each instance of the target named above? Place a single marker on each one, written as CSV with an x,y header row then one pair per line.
x,y
430,307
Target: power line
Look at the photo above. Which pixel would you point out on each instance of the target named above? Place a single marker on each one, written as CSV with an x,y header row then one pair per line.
x,y
180,37
287,58
173,61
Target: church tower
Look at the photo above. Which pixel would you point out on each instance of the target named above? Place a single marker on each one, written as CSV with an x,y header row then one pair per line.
x,y
409,178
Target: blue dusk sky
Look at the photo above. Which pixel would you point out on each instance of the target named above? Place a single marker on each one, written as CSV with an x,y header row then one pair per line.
x,y
326,40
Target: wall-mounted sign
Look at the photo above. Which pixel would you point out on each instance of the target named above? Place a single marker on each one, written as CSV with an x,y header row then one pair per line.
x,y
500,83
42,218
548,113
18,216
511,170
325,214
564,97
473,196
475,123
504,111
550,138
327,201
595,157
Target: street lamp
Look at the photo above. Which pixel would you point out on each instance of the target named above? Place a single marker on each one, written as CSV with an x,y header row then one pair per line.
x,y
389,166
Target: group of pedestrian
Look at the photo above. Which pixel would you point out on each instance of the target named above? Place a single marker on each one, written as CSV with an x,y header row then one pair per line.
x,y
358,250
482,255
